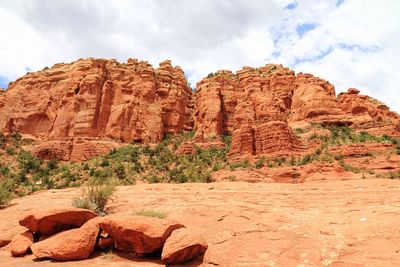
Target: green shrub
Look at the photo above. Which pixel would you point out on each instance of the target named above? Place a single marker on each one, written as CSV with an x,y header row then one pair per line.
x,y
306,159
398,149
86,166
3,141
119,171
28,162
103,174
154,179
348,168
68,177
241,164
11,151
105,163
52,164
259,163
16,138
95,197
5,195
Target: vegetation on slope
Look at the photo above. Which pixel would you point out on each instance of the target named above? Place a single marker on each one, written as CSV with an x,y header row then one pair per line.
x,y
22,173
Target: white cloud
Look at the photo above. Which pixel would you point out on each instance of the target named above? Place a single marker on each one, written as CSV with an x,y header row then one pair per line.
x,y
354,44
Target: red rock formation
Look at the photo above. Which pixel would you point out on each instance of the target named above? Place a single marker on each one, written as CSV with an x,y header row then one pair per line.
x,y
255,105
51,221
244,104
314,100
368,114
91,106
139,234
98,98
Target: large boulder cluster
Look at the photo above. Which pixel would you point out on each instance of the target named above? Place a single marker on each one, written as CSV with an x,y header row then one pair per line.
x,y
74,234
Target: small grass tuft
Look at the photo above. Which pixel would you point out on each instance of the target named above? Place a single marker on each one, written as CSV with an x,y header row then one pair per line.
x,y
151,213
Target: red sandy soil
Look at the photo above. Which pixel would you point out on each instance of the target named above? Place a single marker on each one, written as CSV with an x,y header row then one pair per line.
x,y
338,223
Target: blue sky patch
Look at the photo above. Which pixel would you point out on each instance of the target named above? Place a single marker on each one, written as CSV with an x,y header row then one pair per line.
x,y
348,47
305,27
291,6
3,82
339,2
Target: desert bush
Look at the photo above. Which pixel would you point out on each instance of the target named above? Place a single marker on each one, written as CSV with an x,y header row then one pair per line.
x,y
103,174
3,141
86,167
69,177
129,153
305,160
154,179
259,163
398,149
5,195
4,170
119,171
95,197
241,164
11,151
105,163
16,138
28,162
52,164
348,167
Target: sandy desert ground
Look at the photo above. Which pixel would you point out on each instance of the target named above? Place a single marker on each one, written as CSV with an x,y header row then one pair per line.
x,y
338,223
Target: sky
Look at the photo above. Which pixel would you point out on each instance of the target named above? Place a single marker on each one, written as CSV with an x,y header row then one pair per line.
x,y
350,43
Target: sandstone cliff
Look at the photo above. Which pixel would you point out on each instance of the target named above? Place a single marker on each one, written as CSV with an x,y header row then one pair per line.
x,y
90,106
257,105
98,99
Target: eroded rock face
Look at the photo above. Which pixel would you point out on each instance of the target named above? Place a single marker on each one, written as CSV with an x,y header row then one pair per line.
x,y
86,108
99,98
368,114
48,222
139,234
255,104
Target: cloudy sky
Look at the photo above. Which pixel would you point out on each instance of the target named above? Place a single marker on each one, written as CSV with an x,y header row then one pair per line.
x,y
351,43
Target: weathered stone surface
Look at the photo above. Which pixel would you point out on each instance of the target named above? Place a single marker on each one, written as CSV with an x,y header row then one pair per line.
x,y
21,244
182,246
75,244
369,114
355,150
137,233
51,221
98,98
314,99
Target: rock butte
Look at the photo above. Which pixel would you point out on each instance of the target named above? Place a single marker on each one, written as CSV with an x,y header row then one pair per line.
x,y
86,108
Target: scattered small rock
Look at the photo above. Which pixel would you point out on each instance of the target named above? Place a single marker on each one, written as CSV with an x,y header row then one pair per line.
x,y
21,244
182,246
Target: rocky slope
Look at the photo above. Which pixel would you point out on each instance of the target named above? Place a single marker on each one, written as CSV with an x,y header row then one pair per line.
x,y
90,106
